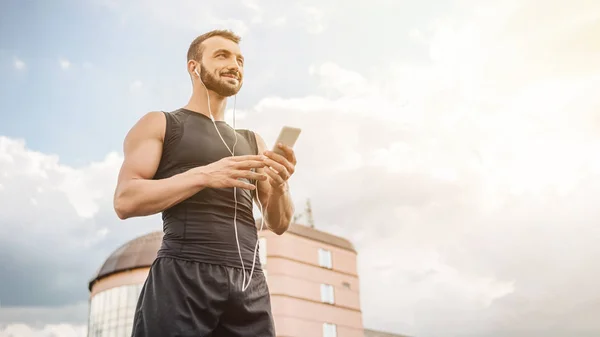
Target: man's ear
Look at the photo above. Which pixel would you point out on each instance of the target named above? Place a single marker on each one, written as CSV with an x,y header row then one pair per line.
x,y
191,66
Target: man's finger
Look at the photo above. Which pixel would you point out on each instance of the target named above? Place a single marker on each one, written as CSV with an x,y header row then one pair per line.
x,y
277,166
246,157
280,159
274,176
248,175
289,153
254,176
241,184
278,169
248,164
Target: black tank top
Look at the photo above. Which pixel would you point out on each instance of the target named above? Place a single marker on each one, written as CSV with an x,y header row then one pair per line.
x,y
201,228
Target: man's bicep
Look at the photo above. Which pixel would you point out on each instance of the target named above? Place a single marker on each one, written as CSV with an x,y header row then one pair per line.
x,y
142,147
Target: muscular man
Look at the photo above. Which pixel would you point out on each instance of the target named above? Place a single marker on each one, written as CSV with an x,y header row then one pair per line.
x,y
178,164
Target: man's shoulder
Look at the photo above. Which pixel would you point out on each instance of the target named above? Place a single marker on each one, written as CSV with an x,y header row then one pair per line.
x,y
151,124
260,142
245,132
160,118
152,116
153,120
250,133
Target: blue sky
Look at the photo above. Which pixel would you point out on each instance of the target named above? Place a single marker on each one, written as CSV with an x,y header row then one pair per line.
x,y
453,142
108,49
50,106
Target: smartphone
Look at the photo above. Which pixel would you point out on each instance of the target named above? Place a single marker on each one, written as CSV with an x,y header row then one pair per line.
x,y
287,136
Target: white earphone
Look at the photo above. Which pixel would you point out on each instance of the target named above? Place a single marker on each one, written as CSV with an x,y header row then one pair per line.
x,y
232,151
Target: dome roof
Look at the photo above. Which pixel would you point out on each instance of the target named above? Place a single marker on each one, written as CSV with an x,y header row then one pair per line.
x,y
137,253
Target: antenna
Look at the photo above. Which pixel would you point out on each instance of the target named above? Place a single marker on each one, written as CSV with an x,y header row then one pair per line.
x,y
309,214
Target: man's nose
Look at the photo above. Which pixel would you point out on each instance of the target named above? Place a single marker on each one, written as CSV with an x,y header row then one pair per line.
x,y
234,66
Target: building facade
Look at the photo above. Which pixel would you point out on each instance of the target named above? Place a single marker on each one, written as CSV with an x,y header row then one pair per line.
x,y
314,283
312,278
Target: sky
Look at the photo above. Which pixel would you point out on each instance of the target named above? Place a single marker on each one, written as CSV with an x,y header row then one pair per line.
x,y
455,143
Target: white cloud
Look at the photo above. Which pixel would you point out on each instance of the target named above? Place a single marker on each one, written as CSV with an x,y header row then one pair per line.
x,y
51,207
64,63
256,9
41,177
189,15
19,64
252,4
340,80
469,182
135,86
279,21
51,330
314,19
238,26
240,16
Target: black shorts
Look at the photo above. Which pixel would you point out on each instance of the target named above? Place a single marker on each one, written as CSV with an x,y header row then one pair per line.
x,y
184,298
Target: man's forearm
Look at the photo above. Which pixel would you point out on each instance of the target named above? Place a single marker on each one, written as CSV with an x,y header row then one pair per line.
x,y
280,210
141,197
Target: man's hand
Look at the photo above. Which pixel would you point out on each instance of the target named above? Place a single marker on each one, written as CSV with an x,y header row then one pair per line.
x,y
273,194
280,167
228,171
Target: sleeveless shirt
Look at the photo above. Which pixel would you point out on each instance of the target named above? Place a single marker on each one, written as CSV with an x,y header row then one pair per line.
x,y
201,228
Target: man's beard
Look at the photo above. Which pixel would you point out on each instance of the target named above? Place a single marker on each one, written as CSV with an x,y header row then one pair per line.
x,y
219,85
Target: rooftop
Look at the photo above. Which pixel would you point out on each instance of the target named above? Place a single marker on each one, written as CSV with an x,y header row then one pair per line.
x,y
137,253
317,235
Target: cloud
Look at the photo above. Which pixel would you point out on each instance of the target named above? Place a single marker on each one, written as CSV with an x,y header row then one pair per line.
x,y
256,8
135,86
314,19
64,63
467,179
50,330
42,321
50,207
19,64
189,15
40,316
242,17
468,183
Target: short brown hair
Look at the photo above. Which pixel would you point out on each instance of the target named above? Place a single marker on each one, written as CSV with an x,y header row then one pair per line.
x,y
196,48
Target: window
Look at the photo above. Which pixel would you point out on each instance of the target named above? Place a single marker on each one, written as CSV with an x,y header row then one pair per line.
x,y
325,258
262,251
327,293
111,311
329,330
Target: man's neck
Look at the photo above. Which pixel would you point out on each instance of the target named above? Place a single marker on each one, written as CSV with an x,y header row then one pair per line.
x,y
199,103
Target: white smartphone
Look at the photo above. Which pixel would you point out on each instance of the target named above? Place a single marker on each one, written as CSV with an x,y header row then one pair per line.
x,y
287,136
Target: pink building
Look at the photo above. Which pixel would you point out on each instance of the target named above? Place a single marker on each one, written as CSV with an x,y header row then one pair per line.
x,y
314,283
312,277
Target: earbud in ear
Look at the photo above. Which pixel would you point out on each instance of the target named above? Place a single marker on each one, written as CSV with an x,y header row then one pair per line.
x,y
196,71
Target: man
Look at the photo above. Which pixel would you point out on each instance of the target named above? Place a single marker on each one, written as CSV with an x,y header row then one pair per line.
x,y
180,163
